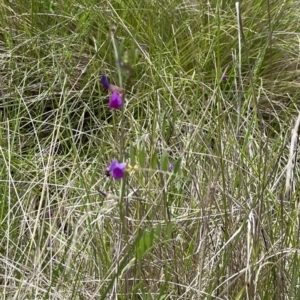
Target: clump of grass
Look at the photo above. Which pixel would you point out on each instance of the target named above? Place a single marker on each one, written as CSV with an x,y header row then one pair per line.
x,y
209,88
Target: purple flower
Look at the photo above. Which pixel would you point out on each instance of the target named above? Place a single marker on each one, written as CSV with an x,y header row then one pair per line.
x,y
171,166
105,82
115,101
224,78
117,169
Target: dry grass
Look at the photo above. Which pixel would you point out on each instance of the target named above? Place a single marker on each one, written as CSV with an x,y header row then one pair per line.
x,y
223,224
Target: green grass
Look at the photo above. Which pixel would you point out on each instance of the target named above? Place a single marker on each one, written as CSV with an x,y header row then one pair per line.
x,y
223,224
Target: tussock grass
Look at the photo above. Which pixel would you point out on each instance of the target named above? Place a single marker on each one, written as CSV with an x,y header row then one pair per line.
x,y
223,224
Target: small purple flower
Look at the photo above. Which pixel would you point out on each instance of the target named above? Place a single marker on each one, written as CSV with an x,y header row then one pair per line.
x,y
224,78
115,101
105,82
171,167
117,169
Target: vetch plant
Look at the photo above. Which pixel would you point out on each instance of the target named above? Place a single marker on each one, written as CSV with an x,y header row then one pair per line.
x,y
115,100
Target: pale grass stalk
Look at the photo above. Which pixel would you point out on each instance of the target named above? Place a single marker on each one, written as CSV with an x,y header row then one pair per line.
x,y
292,159
240,79
250,234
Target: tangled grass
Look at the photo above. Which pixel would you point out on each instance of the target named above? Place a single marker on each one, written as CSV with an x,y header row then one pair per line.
x,y
211,87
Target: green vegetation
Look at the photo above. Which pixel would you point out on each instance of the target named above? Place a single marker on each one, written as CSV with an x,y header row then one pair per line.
x,y
210,87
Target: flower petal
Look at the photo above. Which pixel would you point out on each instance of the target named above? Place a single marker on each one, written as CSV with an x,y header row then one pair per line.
x,y
117,169
105,82
117,173
115,101
113,165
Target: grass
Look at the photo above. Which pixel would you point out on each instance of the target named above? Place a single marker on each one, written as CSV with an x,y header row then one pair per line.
x,y
223,224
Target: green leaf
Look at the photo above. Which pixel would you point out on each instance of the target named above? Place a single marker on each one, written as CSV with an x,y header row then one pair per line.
x,y
169,230
153,160
148,240
164,161
145,243
177,165
142,157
